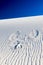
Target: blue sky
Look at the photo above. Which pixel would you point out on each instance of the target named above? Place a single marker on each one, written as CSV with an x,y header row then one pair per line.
x,y
20,8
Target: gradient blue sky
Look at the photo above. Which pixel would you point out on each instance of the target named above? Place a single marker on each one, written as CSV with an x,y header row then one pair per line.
x,y
20,8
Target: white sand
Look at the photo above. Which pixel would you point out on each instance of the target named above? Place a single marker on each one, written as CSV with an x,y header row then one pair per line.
x,y
29,49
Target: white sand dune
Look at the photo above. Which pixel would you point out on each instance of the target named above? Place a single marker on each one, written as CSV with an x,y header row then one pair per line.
x,y
23,47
